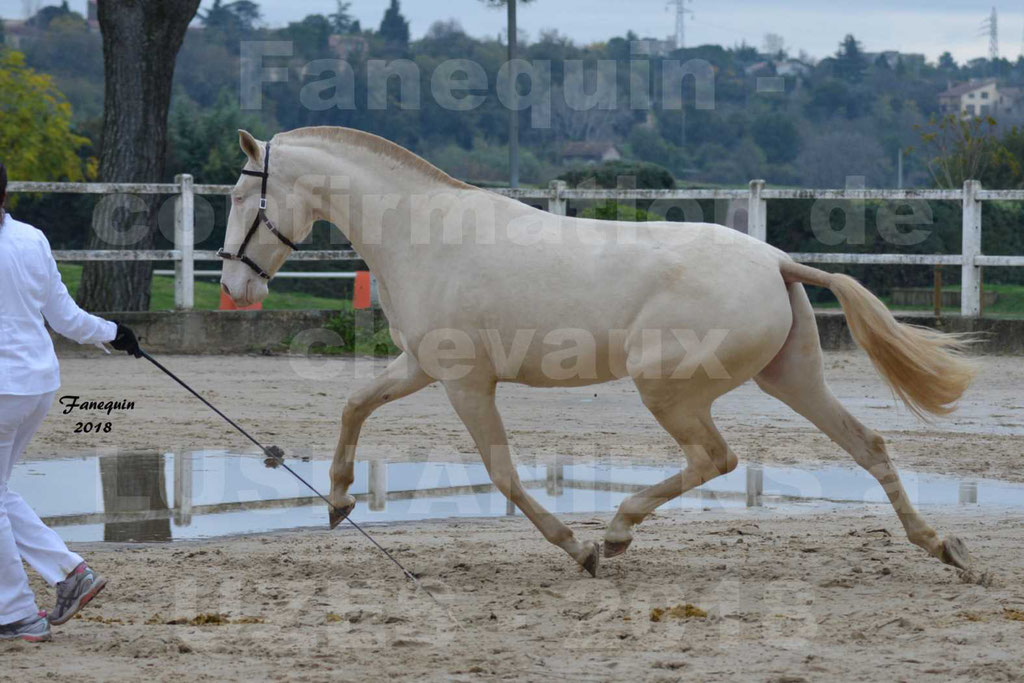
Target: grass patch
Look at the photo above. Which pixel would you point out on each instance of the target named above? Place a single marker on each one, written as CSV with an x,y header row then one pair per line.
x,y
207,294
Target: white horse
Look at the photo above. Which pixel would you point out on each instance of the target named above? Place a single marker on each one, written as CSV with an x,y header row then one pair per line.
x,y
480,289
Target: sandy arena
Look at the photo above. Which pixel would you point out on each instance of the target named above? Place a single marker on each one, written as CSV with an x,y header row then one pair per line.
x,y
761,596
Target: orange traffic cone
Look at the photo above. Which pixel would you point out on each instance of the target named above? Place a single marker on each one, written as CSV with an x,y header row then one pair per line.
x,y
226,304
361,293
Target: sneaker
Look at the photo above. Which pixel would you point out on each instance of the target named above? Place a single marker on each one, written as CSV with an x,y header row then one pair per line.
x,y
33,629
81,586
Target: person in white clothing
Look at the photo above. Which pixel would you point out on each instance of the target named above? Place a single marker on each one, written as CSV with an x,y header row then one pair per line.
x,y
31,291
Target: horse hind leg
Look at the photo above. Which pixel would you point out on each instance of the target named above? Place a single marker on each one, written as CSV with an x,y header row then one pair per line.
x,y
707,457
796,377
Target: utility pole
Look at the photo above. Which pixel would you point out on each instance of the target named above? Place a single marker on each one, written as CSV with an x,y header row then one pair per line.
x,y
1021,54
681,10
513,115
991,26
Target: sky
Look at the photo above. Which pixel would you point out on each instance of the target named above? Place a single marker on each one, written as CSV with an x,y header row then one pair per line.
x,y
815,26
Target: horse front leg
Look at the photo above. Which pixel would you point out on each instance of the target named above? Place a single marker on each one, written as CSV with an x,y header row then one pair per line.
x,y
401,378
473,400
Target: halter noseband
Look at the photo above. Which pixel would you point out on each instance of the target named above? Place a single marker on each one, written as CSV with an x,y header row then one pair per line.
x,y
261,218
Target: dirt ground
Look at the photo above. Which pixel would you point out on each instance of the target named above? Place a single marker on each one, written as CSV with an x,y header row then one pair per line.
x,y
758,595
822,597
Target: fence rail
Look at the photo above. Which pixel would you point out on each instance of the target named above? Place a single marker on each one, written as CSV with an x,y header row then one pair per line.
x,y
557,195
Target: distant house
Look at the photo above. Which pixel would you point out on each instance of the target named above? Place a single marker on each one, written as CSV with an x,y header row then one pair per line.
x,y
20,33
758,69
16,32
792,67
653,47
1011,101
589,152
350,45
975,98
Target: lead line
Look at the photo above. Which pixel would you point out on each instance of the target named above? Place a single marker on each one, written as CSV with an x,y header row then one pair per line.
x,y
271,453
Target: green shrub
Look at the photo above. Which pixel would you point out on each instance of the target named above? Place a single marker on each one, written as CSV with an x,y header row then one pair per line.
x,y
648,176
374,340
612,211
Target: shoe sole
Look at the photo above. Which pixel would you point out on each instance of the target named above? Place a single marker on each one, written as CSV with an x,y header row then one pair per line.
x,y
82,602
37,639
29,638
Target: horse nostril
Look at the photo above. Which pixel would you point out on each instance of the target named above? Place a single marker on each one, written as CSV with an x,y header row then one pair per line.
x,y
225,288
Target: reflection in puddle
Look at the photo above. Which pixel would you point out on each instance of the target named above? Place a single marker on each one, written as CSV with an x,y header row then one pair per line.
x,y
159,497
134,490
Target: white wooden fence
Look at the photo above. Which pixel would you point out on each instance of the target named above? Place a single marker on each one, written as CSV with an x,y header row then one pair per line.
x,y
557,195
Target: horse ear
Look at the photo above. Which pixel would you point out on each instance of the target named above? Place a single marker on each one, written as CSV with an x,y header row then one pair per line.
x,y
249,145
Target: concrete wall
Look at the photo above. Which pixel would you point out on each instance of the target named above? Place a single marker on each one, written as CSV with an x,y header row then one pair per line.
x,y
924,297
210,332
225,332
997,335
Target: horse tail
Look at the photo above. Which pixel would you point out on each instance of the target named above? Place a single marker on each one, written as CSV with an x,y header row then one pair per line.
x,y
927,369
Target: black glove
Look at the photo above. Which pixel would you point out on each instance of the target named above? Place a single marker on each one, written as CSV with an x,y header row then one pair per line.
x,y
126,341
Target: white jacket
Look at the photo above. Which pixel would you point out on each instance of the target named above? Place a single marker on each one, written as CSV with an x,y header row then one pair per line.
x,y
31,290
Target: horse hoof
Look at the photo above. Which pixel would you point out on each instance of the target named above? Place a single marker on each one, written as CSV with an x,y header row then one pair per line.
x,y
613,548
592,559
275,456
338,515
954,552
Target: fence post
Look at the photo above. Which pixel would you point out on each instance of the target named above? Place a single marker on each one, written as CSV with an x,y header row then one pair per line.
x,y
556,203
757,212
184,241
378,485
970,274
183,470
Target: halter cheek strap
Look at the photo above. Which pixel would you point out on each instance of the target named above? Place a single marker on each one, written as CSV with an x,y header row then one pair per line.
x,y
260,219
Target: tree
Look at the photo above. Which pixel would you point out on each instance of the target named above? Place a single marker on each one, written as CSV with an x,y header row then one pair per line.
x,y
778,136
774,45
141,39
229,22
830,159
445,30
849,60
393,27
236,17
947,63
199,140
831,97
342,20
964,149
35,126
43,18
311,35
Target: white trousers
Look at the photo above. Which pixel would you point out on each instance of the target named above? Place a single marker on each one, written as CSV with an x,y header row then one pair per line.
x,y
23,536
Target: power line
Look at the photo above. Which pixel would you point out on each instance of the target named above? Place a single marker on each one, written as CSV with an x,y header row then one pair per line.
x,y
681,10
991,26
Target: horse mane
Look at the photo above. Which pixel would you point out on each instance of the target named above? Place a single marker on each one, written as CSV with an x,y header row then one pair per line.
x,y
375,144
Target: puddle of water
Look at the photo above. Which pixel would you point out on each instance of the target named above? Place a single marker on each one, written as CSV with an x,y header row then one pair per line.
x,y
160,497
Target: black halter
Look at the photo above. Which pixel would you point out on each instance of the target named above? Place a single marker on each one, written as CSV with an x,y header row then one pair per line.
x,y
261,218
